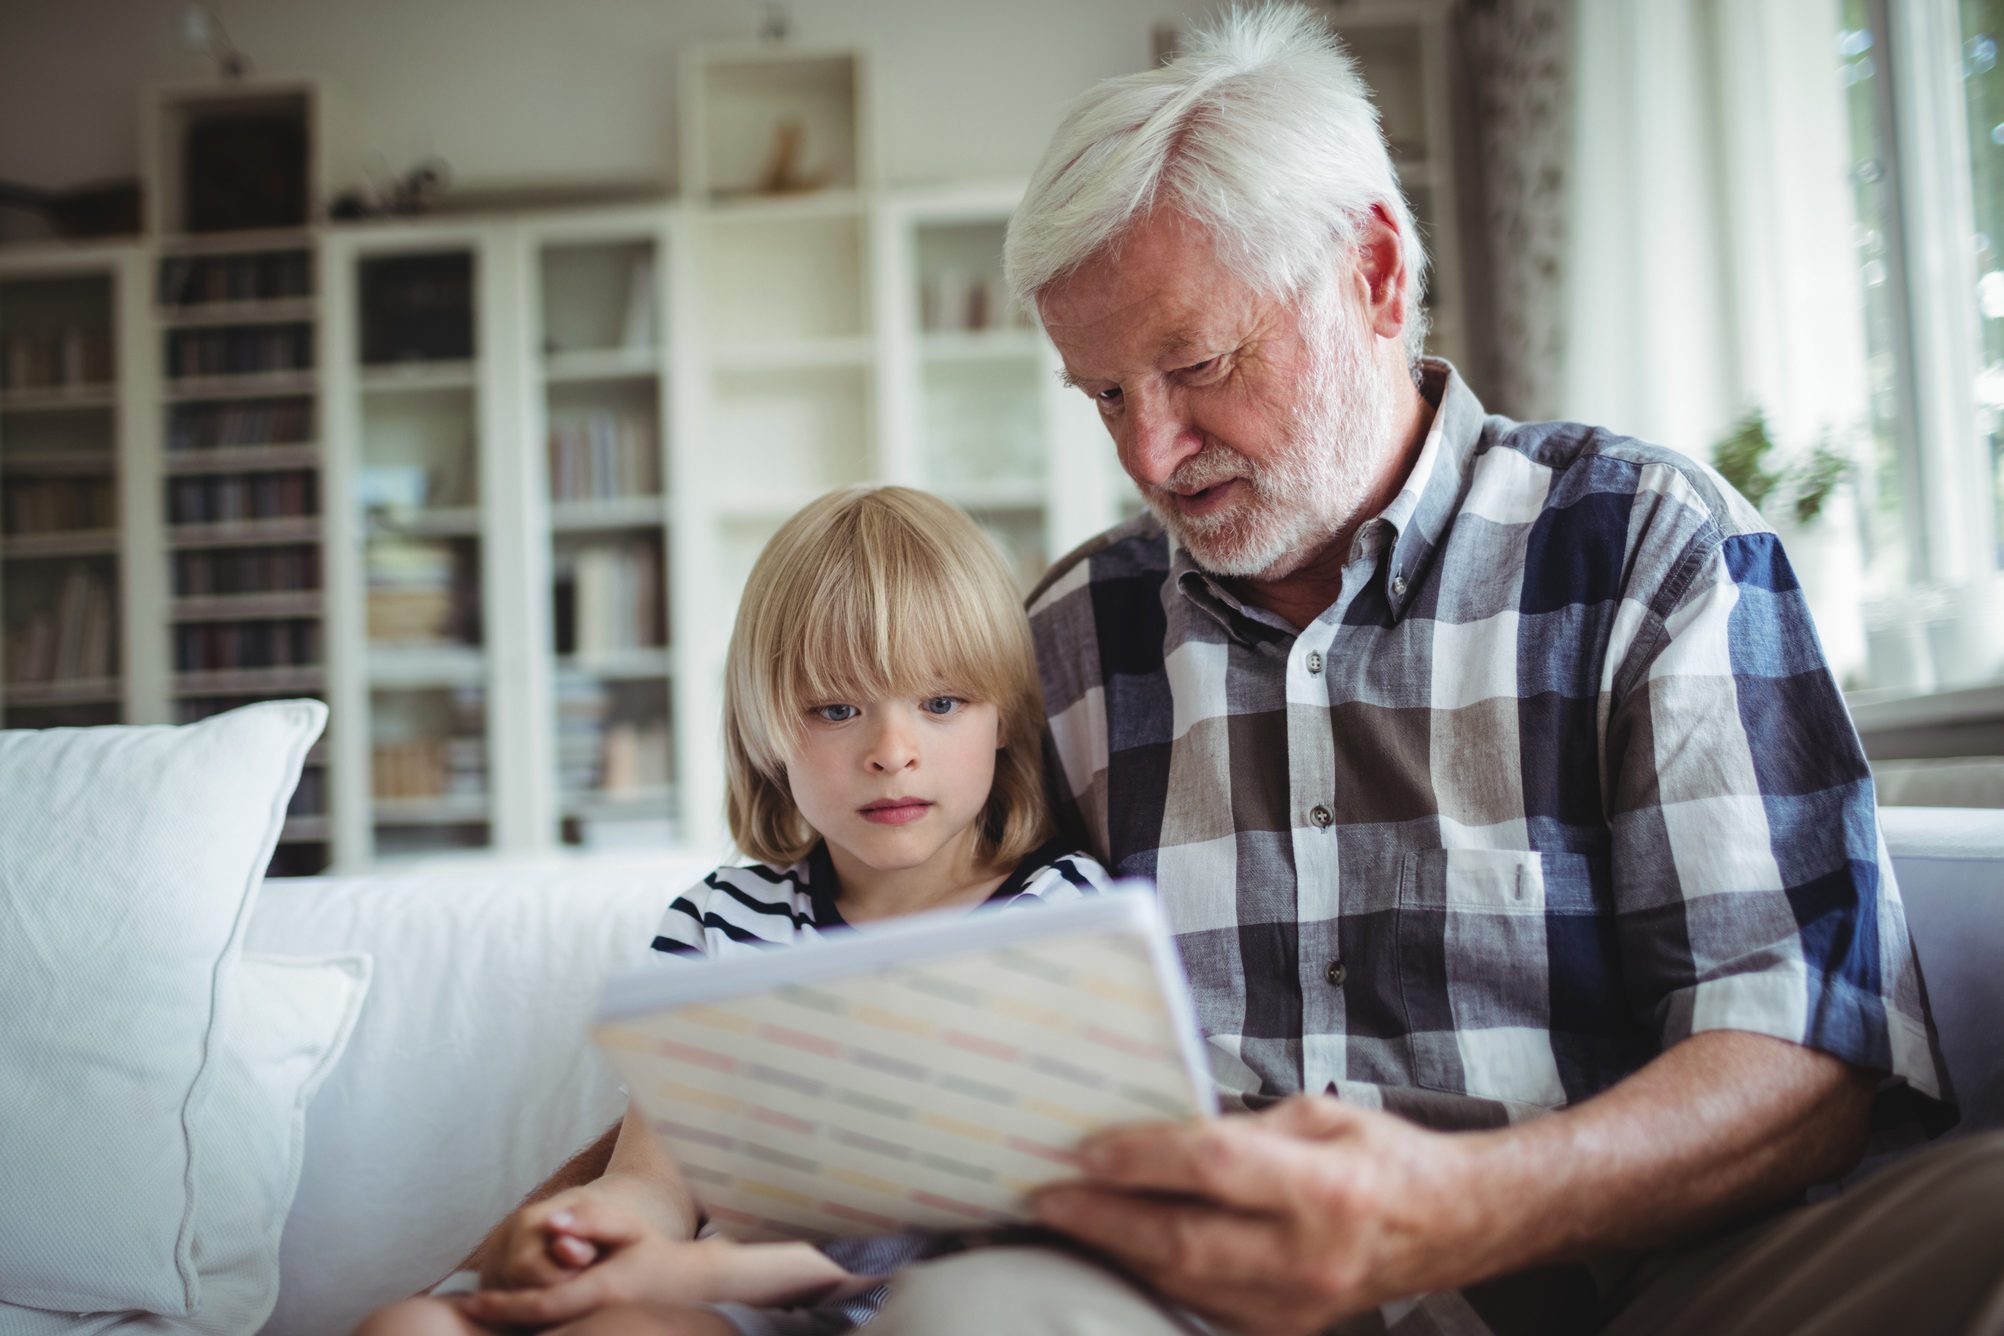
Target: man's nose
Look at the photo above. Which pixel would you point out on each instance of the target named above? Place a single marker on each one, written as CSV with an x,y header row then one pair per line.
x,y
1157,438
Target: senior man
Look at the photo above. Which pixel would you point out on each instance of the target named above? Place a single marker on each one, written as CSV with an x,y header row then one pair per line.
x,y
1496,788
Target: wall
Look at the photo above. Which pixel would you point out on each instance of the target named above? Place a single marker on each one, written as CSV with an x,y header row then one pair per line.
x,y
512,92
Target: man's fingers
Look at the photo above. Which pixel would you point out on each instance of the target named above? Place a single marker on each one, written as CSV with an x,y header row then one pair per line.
x,y
1195,1243
528,1263
1232,1162
571,1252
598,1222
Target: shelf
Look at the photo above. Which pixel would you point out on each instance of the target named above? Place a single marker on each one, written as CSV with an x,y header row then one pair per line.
x,y
431,522
796,354
248,241
82,463
69,691
74,543
245,533
252,385
599,805
405,378
244,459
247,607
57,398
417,667
442,810
616,665
251,681
273,311
626,512
570,368
980,345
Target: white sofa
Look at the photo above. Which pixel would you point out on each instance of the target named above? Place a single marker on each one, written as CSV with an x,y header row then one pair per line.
x,y
468,1078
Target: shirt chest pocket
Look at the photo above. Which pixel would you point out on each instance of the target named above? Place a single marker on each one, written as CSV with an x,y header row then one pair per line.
x,y
1497,951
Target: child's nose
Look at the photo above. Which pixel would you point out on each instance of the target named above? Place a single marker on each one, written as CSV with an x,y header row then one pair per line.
x,y
892,750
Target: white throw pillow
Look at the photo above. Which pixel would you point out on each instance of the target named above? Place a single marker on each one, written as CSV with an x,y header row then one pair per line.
x,y
129,858
289,1023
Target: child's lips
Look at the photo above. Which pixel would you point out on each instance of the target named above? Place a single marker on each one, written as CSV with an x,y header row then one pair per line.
x,y
896,811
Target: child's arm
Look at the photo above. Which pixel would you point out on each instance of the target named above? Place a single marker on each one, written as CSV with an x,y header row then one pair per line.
x,y
639,1265
640,1176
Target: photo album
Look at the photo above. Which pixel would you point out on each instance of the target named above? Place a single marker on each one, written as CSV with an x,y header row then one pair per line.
x,y
928,1074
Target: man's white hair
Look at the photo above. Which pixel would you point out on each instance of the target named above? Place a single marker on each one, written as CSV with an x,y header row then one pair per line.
x,y
1261,132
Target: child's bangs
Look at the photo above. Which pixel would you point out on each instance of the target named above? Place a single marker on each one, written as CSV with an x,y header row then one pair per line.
x,y
894,614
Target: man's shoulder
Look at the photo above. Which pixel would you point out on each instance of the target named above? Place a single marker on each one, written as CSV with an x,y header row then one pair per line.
x,y
1133,549
1581,461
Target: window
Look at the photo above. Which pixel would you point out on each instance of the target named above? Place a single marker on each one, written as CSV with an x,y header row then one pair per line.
x,y
1924,89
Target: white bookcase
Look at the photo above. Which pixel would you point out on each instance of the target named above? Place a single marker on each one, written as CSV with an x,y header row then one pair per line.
x,y
1405,49
493,484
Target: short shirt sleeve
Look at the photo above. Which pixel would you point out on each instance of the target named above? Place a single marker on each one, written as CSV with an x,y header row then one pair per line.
x,y
1753,888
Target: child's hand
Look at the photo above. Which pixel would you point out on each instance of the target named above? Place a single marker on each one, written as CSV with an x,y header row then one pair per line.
x,y
531,1250
639,1264
630,1261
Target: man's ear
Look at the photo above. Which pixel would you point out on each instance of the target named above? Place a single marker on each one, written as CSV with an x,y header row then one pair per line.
x,y
1381,269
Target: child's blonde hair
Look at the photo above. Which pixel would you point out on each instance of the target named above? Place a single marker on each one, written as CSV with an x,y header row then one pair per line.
x,y
872,593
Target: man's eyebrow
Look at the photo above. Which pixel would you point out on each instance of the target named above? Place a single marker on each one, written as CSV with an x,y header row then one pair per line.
x,y
1176,343
1067,379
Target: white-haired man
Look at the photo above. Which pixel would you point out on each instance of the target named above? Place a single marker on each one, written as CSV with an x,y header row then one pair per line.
x,y
1495,787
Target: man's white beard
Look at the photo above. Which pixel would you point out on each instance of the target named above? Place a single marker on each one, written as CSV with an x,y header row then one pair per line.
x,y
1313,484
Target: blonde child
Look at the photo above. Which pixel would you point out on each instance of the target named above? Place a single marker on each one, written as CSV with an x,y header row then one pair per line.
x,y
882,742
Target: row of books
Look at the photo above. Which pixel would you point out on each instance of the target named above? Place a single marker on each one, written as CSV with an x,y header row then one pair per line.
x,y
951,300
47,360
194,709
309,796
602,747
191,280
243,422
608,597
211,572
57,505
415,593
71,640
228,498
214,647
239,351
602,456
429,768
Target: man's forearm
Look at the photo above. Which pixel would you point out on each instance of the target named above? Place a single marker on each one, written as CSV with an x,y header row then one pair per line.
x,y
1724,1122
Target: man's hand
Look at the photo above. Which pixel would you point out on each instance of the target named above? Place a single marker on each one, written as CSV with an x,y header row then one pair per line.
x,y
1285,1221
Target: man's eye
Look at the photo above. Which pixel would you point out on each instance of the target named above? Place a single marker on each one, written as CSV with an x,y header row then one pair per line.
x,y
834,714
941,705
1108,396
1204,370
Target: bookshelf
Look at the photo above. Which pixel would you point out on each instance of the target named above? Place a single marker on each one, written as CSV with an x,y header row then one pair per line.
x,y
1406,51
490,484
601,402
59,579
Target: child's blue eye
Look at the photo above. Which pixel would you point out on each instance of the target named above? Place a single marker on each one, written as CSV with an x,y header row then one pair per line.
x,y
941,705
834,714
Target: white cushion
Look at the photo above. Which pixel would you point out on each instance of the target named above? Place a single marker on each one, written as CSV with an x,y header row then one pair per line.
x,y
471,1076
288,1024
131,857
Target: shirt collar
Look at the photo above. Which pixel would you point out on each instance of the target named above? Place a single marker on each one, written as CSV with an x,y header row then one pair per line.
x,y
1415,522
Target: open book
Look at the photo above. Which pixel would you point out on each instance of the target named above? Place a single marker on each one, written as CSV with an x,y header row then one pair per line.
x,y
925,1074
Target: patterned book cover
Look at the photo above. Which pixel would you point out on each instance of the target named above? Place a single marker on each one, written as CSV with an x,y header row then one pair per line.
x,y
927,1074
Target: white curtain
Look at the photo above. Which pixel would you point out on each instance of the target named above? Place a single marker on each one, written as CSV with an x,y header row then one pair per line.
x,y
1711,264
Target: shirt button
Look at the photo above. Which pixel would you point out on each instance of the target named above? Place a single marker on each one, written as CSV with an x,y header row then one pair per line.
x,y
1398,586
1322,817
1314,661
1335,974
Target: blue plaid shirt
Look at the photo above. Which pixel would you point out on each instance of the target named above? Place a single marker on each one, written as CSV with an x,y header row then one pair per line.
x,y
1559,779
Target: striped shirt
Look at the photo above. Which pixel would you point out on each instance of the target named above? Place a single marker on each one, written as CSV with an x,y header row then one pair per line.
x,y
736,910
1560,778
739,909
